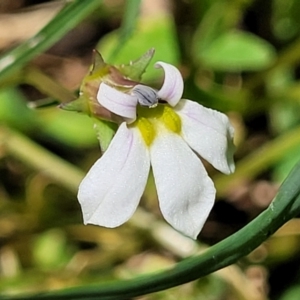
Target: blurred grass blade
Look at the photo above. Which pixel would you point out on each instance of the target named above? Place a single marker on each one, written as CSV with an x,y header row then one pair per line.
x,y
64,21
285,206
130,17
129,20
259,160
37,157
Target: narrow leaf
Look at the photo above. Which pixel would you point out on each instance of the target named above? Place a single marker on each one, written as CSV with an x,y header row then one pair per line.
x,y
65,20
285,206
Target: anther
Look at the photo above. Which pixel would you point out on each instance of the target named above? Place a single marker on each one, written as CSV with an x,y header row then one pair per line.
x,y
146,96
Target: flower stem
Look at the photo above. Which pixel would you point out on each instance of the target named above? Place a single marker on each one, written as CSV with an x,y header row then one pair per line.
x,y
285,206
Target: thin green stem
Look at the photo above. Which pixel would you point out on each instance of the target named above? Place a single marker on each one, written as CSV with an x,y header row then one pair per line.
x,y
37,157
47,85
63,22
284,207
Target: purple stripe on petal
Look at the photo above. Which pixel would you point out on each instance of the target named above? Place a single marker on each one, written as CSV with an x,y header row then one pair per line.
x,y
117,102
172,88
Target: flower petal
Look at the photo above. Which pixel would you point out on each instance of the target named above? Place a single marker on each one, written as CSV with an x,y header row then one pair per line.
x,y
146,96
172,89
186,194
209,133
111,191
117,102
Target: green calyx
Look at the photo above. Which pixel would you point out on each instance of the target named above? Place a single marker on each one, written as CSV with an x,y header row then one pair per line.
x,y
121,77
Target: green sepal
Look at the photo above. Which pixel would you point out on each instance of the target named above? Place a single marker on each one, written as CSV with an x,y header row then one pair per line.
x,y
135,69
77,105
105,132
121,77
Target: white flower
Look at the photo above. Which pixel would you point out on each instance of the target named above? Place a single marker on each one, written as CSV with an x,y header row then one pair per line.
x,y
166,136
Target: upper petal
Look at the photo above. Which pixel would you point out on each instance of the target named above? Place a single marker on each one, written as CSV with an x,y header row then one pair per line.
x,y
186,194
209,133
117,102
172,88
111,191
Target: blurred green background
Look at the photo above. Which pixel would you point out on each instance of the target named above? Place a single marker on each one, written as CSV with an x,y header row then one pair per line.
x,y
241,57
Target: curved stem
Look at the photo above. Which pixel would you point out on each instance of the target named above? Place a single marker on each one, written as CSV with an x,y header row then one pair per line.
x,y
284,207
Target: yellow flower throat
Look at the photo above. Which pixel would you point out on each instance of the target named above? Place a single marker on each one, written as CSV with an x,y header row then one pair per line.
x,y
149,119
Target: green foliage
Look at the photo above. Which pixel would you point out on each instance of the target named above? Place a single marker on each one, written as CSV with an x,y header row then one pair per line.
x,y
241,57
50,250
67,19
291,294
14,112
66,128
157,32
236,51
75,130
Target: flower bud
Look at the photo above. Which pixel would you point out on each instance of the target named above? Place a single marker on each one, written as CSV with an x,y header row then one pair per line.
x,y
123,77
